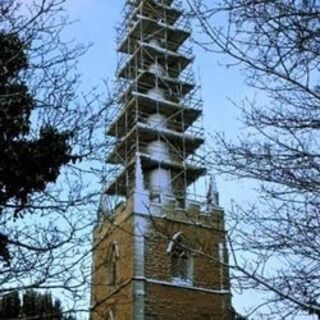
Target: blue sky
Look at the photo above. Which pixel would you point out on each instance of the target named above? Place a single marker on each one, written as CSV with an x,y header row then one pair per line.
x,y
96,23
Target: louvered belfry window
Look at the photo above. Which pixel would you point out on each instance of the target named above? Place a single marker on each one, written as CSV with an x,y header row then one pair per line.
x,y
180,263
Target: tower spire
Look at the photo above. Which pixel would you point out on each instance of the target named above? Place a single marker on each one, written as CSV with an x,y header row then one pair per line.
x,y
159,108
157,132
213,193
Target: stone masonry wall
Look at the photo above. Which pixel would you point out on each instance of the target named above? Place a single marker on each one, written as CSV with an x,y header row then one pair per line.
x,y
171,303
104,297
202,238
202,300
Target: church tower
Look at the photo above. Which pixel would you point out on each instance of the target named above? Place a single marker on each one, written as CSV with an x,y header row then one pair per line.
x,y
158,248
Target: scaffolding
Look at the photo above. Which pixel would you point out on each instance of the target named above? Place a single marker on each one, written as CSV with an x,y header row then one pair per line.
x,y
159,109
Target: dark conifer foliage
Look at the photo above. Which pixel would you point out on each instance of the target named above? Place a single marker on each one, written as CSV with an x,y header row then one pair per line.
x,y
52,150
33,305
10,306
27,165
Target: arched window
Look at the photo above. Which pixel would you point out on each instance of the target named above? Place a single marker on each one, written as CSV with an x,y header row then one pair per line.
x,y
113,262
179,264
181,259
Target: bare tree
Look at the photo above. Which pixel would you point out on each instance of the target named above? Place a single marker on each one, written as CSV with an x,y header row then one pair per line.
x,y
275,241
46,238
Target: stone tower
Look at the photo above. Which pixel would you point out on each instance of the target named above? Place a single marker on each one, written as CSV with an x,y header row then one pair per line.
x,y
158,249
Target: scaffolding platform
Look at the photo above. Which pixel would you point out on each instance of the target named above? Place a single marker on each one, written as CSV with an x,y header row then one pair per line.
x,y
147,54
145,29
146,103
157,132
148,80
156,9
148,133
121,185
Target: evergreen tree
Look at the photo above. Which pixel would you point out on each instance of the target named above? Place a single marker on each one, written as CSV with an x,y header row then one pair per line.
x,y
10,306
34,305
27,164
45,121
